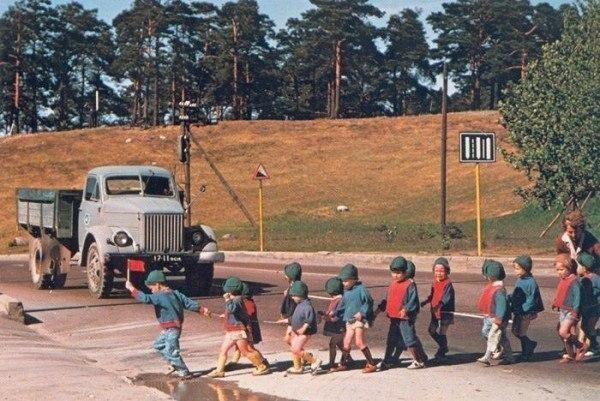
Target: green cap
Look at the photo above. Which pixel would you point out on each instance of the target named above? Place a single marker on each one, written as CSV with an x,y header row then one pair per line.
x,y
410,269
398,264
525,262
495,270
587,260
293,271
334,286
349,271
246,290
298,289
233,285
154,277
442,261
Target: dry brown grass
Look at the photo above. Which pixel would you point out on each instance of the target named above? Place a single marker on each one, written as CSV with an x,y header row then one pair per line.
x,y
376,166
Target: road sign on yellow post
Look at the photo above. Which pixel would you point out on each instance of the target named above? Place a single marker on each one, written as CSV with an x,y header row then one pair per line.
x,y
477,147
260,175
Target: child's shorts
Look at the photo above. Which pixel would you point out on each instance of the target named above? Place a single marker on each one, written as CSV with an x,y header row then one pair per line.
x,y
357,325
408,333
236,335
486,327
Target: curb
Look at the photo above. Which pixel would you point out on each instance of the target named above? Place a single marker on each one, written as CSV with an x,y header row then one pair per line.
x,y
460,263
17,257
11,307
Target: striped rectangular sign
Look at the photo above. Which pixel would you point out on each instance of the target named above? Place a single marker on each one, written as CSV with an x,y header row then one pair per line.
x,y
477,147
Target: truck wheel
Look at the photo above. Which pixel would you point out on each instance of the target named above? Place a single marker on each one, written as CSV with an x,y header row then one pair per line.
x,y
199,278
100,277
40,280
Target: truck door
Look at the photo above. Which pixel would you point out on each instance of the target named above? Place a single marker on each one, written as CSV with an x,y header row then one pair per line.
x,y
89,210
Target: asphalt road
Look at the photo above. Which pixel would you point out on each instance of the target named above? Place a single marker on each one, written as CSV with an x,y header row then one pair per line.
x,y
117,332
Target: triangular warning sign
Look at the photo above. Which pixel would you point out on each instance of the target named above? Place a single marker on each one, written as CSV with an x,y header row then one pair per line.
x,y
261,173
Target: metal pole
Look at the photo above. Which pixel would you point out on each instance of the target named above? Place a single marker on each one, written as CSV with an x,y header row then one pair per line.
x,y
478,208
188,186
443,154
260,217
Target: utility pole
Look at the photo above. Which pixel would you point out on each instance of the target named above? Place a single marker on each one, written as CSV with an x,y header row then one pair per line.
x,y
443,153
184,155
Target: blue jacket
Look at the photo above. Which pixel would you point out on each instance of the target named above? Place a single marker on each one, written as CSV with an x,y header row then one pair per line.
x,y
357,299
168,306
304,313
526,298
590,295
236,317
500,307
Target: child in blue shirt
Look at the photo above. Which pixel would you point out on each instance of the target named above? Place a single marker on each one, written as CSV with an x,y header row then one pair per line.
x,y
168,306
526,303
357,307
568,302
334,327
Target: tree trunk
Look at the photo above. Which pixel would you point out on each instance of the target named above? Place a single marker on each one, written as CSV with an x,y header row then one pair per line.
x,y
236,100
17,108
155,89
338,78
173,98
83,103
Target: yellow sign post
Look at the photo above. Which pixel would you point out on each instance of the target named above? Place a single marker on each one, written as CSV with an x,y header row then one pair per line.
x,y
260,175
477,147
478,207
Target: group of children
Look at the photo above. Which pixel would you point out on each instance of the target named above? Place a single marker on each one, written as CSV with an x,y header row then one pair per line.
x,y
351,312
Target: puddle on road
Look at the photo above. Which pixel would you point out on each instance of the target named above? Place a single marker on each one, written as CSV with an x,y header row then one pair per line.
x,y
200,389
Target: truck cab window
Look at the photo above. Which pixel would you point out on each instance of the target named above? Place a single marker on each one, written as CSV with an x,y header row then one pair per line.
x,y
92,189
156,185
123,185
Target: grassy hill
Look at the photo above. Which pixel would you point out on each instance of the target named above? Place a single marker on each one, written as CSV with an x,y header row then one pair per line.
x,y
386,170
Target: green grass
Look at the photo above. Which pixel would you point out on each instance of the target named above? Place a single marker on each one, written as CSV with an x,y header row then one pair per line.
x,y
510,234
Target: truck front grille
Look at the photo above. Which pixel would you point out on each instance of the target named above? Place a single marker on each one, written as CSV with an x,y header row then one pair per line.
x,y
163,232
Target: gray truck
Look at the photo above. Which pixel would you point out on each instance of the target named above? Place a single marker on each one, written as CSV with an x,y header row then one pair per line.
x,y
126,218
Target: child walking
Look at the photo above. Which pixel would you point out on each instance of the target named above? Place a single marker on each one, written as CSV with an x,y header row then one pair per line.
x,y
402,306
255,335
236,333
525,303
493,303
590,305
292,272
441,299
334,327
303,324
357,314
168,306
568,302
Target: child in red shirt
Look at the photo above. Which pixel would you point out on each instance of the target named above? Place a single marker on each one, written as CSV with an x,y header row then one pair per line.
x,y
334,326
568,302
441,299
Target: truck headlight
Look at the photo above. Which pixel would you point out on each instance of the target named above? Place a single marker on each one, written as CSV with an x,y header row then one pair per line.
x,y
122,239
197,237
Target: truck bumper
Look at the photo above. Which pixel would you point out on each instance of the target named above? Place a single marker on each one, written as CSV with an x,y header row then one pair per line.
x,y
203,256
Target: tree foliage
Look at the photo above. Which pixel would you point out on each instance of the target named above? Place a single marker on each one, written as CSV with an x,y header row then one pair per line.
x,y
553,114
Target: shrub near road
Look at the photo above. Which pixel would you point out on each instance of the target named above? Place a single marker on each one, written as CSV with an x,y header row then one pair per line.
x,y
385,169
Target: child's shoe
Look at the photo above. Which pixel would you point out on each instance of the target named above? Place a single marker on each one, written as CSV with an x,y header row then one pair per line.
x,y
565,359
183,374
295,371
580,354
416,365
261,370
369,368
338,368
498,353
170,370
315,367
215,373
484,360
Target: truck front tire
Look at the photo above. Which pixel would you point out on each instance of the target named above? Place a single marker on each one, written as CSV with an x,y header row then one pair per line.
x,y
198,278
100,276
40,280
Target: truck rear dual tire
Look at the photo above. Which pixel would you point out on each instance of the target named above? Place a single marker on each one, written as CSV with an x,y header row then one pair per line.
x,y
198,278
100,276
39,277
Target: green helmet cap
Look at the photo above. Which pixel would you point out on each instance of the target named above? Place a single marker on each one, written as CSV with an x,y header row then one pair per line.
x,y
587,260
246,290
349,271
233,285
293,271
298,289
525,262
410,269
495,270
334,286
155,277
442,261
398,264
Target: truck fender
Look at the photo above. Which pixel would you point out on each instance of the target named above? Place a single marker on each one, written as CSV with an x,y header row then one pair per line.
x,y
100,235
210,246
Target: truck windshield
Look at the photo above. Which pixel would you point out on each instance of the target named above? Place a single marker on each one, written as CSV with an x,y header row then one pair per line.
x,y
153,185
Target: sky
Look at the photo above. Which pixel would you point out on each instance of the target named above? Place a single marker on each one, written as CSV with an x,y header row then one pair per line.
x,y
278,10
